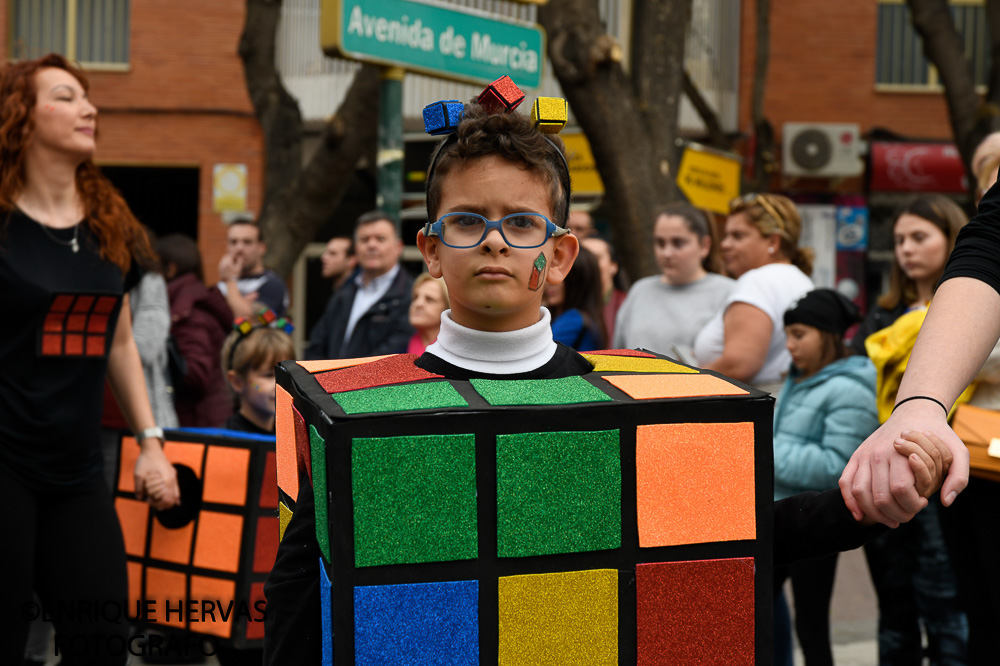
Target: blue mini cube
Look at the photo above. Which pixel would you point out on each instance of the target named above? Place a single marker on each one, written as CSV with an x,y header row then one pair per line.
x,y
442,117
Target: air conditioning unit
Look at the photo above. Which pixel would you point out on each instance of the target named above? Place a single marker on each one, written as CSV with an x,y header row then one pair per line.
x,y
822,150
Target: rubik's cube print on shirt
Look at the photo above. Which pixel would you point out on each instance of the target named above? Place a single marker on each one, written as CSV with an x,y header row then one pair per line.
x,y
620,517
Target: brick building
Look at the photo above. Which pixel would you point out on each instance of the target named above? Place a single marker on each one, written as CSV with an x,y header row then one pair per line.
x,y
171,98
855,72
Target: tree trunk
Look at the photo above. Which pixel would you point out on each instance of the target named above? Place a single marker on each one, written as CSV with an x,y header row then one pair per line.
x,y
630,123
299,200
764,157
943,47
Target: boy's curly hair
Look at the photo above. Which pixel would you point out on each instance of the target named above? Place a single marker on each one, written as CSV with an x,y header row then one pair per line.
x,y
511,136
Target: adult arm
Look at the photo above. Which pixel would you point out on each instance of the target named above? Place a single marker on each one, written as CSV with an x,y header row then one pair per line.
x,y
962,325
129,386
747,333
229,273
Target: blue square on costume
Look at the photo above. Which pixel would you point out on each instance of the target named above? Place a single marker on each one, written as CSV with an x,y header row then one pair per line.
x,y
422,623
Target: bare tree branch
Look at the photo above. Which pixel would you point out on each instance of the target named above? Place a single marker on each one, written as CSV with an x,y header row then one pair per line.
x,y
277,111
636,178
716,135
943,47
299,200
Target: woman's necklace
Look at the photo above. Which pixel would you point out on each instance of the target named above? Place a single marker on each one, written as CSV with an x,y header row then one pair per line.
x,y
73,243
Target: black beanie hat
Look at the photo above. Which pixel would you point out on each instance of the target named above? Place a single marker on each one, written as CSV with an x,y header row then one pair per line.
x,y
826,309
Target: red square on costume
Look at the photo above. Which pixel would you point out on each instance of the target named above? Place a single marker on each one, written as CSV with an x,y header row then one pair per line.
x,y
62,303
76,323
83,304
74,345
105,304
699,612
51,345
97,324
266,547
53,323
95,345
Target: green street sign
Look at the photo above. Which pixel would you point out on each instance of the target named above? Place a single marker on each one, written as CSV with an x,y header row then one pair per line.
x,y
447,42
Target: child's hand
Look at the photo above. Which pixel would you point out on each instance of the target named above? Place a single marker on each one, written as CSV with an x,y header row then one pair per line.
x,y
929,459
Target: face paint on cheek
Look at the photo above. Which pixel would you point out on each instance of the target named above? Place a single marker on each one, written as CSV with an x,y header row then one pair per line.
x,y
535,282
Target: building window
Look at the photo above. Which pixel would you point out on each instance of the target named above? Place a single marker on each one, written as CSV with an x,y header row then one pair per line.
x,y
91,32
900,60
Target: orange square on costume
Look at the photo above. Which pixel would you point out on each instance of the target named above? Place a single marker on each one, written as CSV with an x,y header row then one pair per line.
x,y
83,304
695,483
133,516
336,363
163,586
171,545
226,475
218,543
651,387
210,593
97,324
95,345
284,427
105,304
74,345
51,344
62,303
76,322
184,453
53,323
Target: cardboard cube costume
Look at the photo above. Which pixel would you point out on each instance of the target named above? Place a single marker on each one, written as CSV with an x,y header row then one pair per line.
x,y
619,517
201,567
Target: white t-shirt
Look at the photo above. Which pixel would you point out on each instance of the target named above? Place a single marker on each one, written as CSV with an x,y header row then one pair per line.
x,y
663,317
771,288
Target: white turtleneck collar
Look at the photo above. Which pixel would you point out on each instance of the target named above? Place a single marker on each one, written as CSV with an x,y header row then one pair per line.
x,y
498,353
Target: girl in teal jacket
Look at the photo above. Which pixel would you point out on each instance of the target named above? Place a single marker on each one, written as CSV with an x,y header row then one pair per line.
x,y
825,410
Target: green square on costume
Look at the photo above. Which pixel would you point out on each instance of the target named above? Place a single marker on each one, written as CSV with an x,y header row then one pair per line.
x,y
564,391
558,492
414,499
428,395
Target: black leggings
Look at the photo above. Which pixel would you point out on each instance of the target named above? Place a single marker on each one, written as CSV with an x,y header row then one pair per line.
x,y
68,547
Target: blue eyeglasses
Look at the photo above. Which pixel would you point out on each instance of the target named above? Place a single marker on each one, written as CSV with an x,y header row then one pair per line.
x,y
520,230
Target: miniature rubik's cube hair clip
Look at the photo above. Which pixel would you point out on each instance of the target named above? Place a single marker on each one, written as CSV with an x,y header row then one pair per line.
x,y
266,318
548,115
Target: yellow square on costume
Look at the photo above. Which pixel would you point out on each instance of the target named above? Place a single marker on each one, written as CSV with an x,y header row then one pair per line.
x,y
559,618
604,363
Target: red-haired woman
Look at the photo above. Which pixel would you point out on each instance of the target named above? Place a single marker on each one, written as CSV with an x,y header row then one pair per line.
x,y
67,242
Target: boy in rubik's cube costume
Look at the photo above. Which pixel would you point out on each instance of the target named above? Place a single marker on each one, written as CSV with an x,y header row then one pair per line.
x,y
503,499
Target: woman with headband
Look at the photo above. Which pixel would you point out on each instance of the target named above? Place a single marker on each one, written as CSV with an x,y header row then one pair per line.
x,y
745,339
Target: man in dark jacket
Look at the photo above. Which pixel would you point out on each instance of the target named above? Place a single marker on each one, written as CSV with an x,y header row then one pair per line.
x,y
369,315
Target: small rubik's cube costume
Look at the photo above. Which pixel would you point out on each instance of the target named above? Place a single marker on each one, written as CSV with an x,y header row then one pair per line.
x,y
619,517
201,566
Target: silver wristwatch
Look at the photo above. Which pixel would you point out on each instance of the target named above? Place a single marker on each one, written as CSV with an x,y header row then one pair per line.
x,y
155,431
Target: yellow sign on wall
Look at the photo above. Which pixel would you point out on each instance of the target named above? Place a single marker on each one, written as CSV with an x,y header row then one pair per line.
x,y
709,179
582,168
229,187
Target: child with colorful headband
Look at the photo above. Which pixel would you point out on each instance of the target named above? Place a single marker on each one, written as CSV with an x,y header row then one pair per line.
x,y
497,203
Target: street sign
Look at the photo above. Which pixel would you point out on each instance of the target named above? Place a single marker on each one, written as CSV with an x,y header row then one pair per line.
x,y
709,179
582,168
447,42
